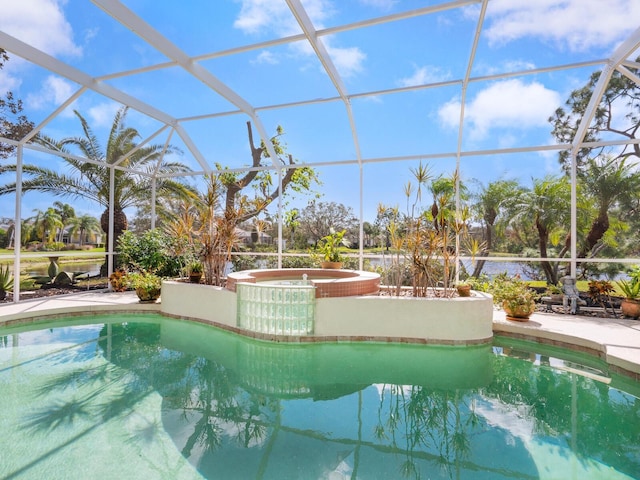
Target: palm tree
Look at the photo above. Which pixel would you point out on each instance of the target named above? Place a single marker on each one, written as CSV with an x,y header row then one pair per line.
x,y
47,223
84,225
547,204
26,229
260,228
90,180
607,181
494,209
66,213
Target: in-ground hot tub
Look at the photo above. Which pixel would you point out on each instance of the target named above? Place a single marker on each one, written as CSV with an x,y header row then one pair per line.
x,y
327,282
328,306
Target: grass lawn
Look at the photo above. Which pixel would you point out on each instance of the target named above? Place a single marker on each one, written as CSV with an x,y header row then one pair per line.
x,y
10,251
583,286
86,256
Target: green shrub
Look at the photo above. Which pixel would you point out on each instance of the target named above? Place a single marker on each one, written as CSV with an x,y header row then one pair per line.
x,y
53,246
244,262
145,281
631,288
297,262
150,252
6,279
511,290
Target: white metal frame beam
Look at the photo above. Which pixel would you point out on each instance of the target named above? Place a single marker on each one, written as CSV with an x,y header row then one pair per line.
x,y
128,18
54,65
628,47
176,57
319,48
463,101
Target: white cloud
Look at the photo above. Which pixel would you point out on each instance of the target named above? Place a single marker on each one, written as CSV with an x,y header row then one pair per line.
x,y
8,82
379,4
102,115
267,57
90,34
55,90
40,23
348,61
510,104
263,16
424,75
506,66
576,24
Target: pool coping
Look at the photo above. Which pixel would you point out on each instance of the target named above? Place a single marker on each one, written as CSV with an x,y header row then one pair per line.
x,y
615,340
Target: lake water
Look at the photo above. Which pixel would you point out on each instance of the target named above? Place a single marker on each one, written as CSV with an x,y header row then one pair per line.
x,y
490,268
92,268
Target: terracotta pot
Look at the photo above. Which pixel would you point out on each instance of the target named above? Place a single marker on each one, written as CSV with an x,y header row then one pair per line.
x,y
147,296
464,290
520,313
331,265
630,308
195,277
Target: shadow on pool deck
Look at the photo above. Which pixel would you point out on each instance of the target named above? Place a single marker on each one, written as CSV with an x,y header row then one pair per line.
x,y
615,340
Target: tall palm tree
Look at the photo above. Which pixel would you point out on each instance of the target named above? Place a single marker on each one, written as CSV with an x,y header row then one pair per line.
x,y
547,203
90,180
67,213
47,223
26,229
84,225
494,208
607,181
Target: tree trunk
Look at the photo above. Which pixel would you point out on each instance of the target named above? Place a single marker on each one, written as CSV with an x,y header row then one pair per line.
x,y
234,188
549,272
598,228
120,224
434,214
485,251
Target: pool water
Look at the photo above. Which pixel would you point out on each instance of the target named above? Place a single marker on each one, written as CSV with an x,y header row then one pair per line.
x,y
143,396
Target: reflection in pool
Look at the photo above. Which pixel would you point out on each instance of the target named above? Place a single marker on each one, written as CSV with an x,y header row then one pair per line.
x,y
142,396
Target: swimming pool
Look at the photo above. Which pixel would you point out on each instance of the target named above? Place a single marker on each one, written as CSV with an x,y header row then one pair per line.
x,y
144,396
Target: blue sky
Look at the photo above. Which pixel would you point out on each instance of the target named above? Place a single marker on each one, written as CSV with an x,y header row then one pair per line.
x,y
508,112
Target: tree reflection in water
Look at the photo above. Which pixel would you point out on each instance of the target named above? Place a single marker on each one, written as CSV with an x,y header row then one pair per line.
x,y
238,408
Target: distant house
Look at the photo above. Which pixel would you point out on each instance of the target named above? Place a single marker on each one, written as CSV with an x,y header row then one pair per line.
x,y
249,238
89,238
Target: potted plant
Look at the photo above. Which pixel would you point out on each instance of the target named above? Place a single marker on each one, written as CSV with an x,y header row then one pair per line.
x,y
146,284
195,271
464,289
630,306
6,282
554,292
515,297
329,249
118,281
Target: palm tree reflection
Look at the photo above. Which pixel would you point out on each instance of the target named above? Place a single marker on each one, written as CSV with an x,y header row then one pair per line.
x,y
224,395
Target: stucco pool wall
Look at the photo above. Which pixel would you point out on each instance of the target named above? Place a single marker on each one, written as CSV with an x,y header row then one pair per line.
x,y
439,321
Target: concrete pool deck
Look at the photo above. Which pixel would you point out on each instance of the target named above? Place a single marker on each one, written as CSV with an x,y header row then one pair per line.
x,y
614,340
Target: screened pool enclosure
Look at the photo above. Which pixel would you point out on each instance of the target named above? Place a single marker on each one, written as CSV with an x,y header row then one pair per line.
x,y
366,92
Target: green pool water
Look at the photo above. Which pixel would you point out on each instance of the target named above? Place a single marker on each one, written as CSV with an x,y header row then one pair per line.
x,y
143,396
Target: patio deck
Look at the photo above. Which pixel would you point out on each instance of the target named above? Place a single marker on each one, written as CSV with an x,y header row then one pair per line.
x,y
615,340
